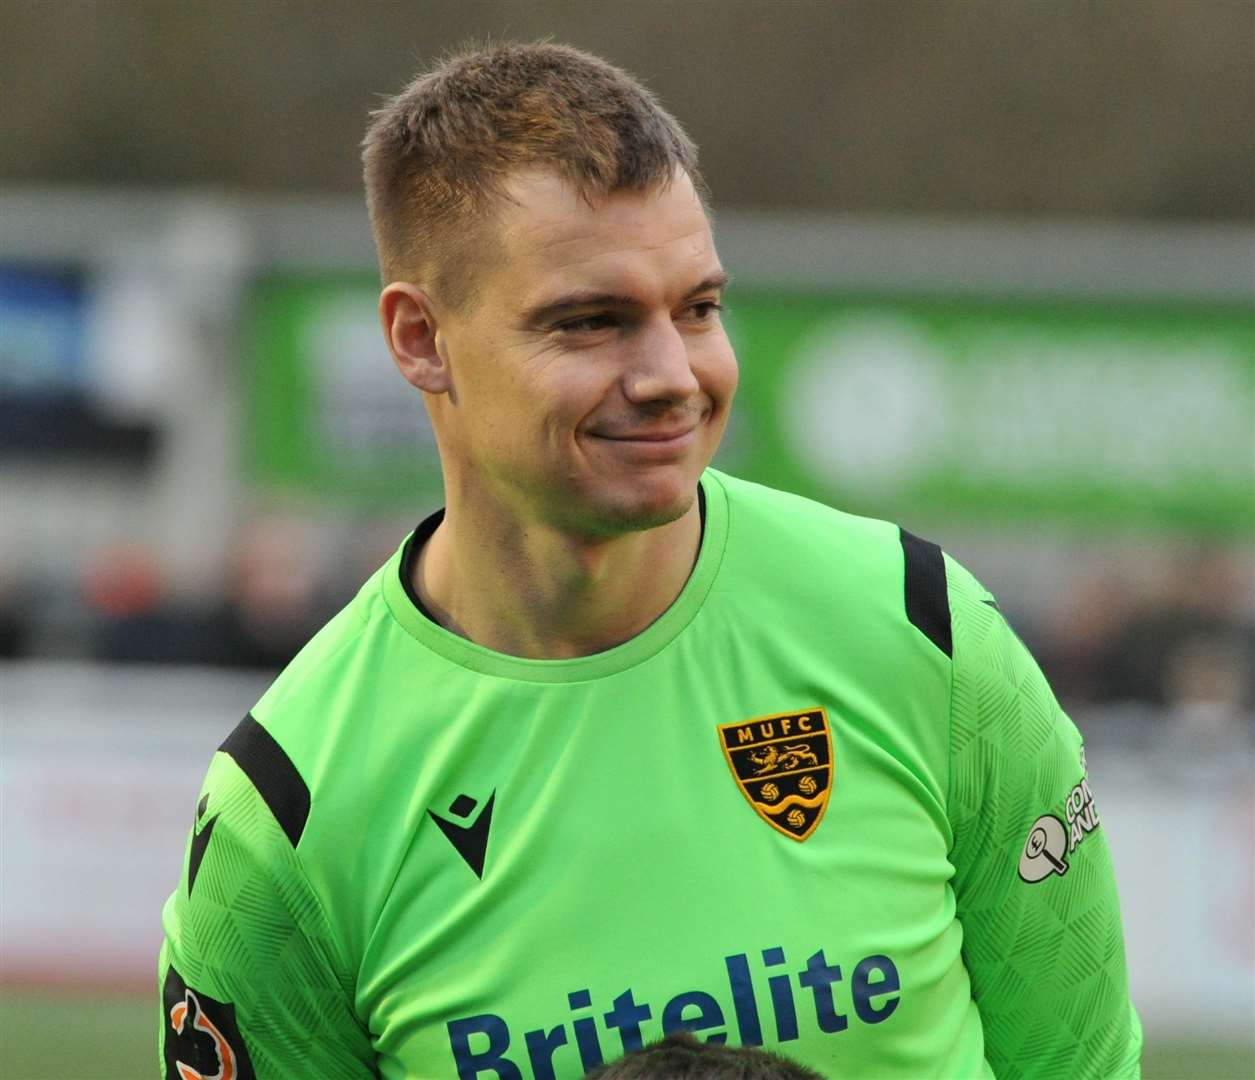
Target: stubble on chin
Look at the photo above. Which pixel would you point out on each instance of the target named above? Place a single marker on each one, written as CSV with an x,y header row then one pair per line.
x,y
609,518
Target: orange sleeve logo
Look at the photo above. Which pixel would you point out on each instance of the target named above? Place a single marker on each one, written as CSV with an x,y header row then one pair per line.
x,y
227,1067
202,1039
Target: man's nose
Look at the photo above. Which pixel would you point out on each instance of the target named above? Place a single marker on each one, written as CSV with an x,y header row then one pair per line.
x,y
660,369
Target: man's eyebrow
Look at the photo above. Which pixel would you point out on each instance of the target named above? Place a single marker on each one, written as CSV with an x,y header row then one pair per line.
x,y
714,283
551,309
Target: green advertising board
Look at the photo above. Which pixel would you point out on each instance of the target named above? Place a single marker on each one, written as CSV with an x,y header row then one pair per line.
x,y
1077,412
1086,412
328,416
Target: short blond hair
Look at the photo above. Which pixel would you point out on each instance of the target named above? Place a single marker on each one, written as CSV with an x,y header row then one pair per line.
x,y
436,157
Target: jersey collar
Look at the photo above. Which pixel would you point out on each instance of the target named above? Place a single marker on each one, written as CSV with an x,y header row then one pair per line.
x,y
408,611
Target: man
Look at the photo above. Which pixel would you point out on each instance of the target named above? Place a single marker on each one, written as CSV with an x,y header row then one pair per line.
x,y
617,746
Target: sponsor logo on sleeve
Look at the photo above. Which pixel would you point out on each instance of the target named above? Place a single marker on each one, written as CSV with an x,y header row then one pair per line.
x,y
783,766
1045,850
1052,840
202,1040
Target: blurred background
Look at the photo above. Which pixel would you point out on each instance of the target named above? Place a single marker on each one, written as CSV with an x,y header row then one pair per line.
x,y
994,265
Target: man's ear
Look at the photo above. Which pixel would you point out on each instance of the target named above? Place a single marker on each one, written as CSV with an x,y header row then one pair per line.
x,y
409,324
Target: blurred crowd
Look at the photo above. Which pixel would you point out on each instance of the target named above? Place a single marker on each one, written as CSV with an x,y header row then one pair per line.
x,y
1180,639
1174,635
284,579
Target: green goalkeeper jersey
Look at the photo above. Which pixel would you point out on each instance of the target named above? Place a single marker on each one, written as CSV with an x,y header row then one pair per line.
x,y
826,803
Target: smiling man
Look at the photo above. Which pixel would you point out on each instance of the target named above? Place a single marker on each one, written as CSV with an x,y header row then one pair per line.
x,y
617,746
575,403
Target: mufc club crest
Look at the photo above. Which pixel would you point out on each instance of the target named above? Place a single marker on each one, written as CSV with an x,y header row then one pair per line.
x,y
783,766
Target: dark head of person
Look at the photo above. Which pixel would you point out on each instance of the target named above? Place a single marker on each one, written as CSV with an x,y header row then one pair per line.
x,y
683,1057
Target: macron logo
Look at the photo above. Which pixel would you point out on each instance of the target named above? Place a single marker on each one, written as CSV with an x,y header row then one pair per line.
x,y
200,841
470,840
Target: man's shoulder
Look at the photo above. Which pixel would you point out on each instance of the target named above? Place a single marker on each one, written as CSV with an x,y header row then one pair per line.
x,y
357,682
319,749
782,510
329,656
777,523
870,571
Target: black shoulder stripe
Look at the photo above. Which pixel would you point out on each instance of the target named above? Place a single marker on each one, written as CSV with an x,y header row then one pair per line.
x,y
927,601
272,774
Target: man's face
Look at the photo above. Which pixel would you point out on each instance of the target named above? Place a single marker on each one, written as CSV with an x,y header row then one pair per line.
x,y
591,377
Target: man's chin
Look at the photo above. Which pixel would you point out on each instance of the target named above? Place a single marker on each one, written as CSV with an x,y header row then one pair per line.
x,y
638,511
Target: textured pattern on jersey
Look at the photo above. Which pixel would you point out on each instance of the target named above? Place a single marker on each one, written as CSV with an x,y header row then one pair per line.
x,y
253,934
1043,951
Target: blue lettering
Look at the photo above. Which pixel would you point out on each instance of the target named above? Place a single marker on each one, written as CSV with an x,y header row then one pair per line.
x,y
819,976
540,1048
585,1030
864,989
470,1064
480,1043
781,997
628,1016
743,1003
709,1015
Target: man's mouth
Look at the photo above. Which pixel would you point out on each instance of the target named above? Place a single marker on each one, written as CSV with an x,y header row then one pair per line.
x,y
658,435
650,443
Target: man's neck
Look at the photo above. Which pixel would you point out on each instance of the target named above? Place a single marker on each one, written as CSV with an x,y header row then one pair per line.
x,y
533,591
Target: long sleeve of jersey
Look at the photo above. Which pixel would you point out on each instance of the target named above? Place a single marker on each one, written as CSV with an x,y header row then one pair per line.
x,y
251,986
1034,886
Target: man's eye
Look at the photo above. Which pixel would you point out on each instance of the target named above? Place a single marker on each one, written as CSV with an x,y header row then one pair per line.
x,y
587,324
706,309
